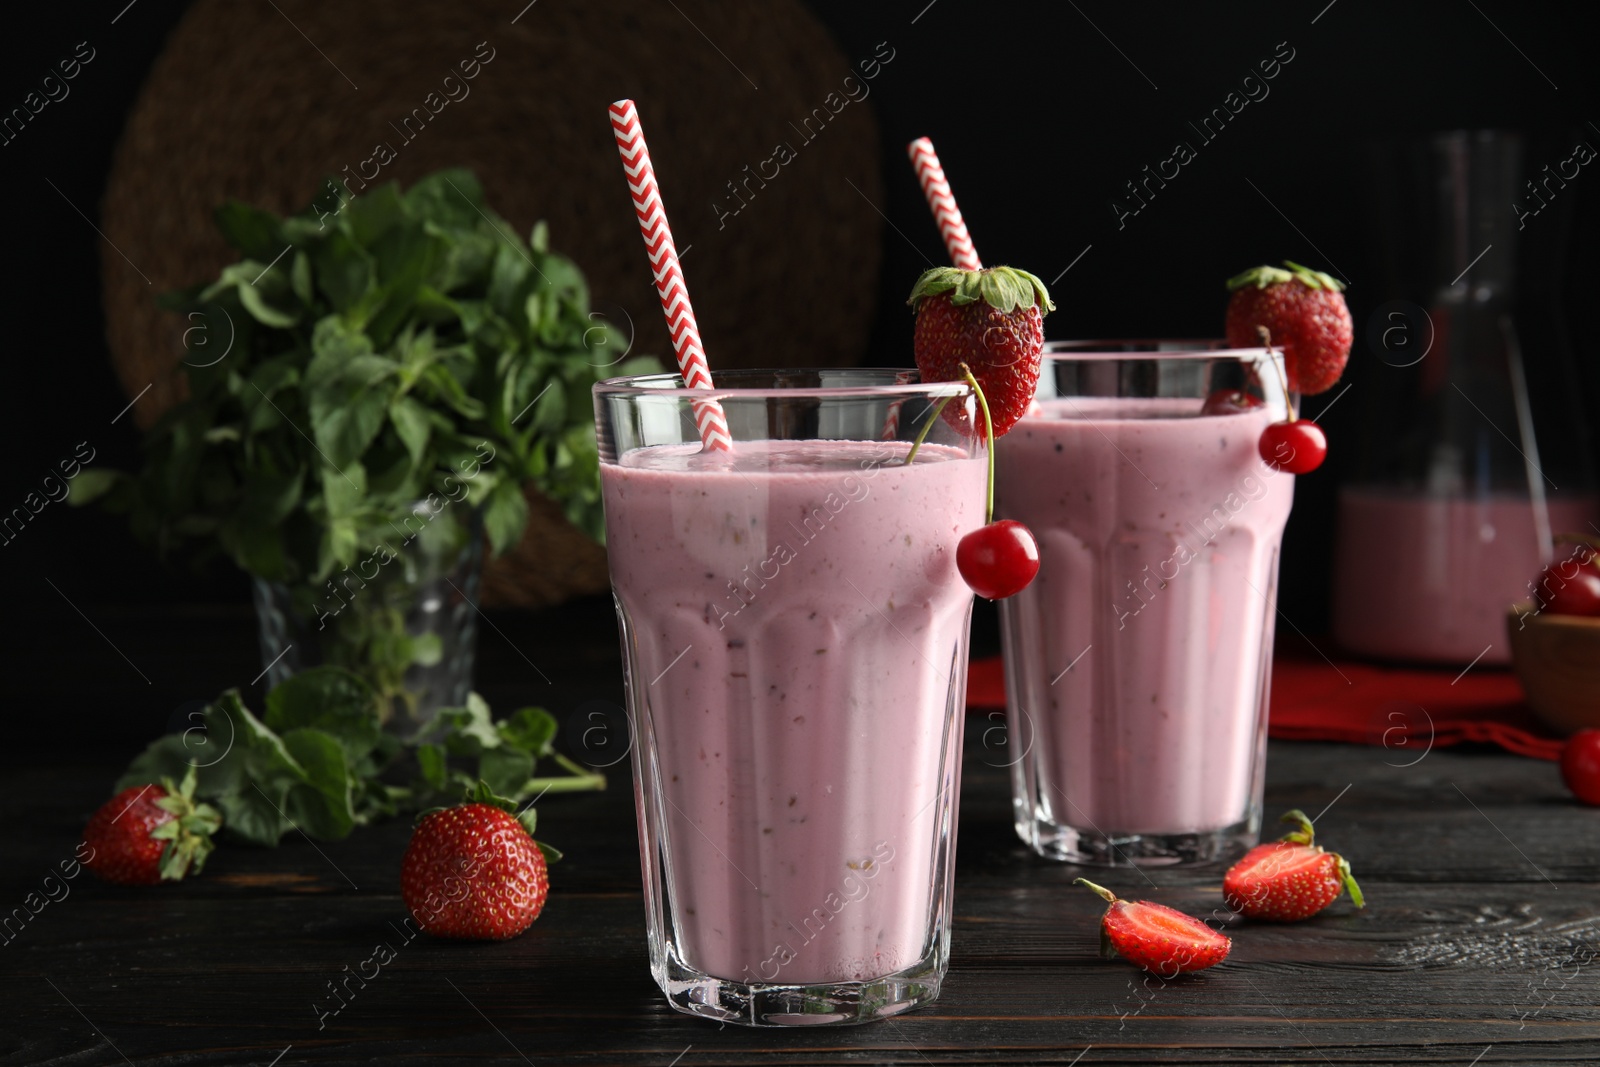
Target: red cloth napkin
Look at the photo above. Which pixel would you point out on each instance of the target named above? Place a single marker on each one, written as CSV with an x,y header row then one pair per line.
x,y
1404,709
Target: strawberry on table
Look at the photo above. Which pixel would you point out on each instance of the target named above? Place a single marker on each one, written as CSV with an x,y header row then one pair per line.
x,y
151,833
1156,937
474,871
993,321
1290,879
1306,312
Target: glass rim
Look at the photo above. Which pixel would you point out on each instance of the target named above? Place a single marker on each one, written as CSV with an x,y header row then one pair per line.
x,y
634,385
1103,350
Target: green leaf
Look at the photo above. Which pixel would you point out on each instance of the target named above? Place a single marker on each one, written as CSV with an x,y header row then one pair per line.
x,y
530,729
323,804
505,516
431,761
374,213
350,391
166,757
331,699
300,278
411,423
91,483
344,490
505,770
448,197
469,730
343,270
270,299
249,229
254,816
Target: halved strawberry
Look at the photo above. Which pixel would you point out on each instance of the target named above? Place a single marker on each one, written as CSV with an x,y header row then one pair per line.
x,y
1290,879
993,321
1156,937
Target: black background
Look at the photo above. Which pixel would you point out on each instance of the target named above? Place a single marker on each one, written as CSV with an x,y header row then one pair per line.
x,y
1039,119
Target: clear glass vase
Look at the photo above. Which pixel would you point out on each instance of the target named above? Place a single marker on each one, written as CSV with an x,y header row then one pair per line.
x,y
403,616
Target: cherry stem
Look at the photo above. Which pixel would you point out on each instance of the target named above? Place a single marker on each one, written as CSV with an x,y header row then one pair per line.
x,y
1266,339
923,433
988,436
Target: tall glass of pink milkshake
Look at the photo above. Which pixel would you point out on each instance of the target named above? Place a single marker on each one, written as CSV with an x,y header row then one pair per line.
x,y
794,632
1137,662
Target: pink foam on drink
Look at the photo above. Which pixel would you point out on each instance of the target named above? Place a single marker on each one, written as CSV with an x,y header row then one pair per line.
x,y
794,618
1157,583
1422,577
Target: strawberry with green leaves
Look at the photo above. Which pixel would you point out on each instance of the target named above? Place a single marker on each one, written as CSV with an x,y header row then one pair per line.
x,y
1290,879
151,833
474,871
992,320
1305,311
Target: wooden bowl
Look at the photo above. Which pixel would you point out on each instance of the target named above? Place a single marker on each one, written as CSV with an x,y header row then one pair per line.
x,y
1557,658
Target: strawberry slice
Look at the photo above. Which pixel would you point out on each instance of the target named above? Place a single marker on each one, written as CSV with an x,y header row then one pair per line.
x,y
993,321
1156,937
1290,879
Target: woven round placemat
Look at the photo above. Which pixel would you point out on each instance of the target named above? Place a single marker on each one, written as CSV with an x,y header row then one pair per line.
x,y
259,102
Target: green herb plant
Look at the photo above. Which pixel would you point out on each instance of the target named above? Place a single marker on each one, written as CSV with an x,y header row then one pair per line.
x,y
317,760
378,364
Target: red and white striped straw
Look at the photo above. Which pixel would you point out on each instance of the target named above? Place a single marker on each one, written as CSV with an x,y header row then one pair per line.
x,y
670,288
943,204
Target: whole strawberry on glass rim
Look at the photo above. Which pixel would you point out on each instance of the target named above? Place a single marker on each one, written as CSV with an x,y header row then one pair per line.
x,y
1289,879
151,833
985,326
991,319
1306,312
474,871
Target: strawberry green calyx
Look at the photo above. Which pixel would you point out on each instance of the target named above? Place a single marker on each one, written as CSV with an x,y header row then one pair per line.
x,y
188,832
1304,834
1105,894
1261,277
526,817
1003,288
1350,886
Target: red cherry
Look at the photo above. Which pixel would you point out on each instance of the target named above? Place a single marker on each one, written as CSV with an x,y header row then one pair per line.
x,y
1298,447
1229,402
998,560
1580,765
1571,586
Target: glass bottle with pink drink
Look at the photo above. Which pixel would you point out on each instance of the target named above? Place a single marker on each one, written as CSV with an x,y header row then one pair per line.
x,y
1475,453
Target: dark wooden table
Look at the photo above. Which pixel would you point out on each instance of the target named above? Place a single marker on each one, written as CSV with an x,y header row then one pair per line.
x,y
1480,943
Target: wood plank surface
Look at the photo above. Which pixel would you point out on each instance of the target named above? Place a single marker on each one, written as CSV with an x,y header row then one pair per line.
x,y
1480,944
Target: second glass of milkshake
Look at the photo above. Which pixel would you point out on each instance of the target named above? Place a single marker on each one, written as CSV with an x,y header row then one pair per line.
x,y
1137,664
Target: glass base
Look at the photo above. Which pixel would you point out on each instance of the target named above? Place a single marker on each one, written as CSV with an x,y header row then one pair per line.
x,y
1069,844
822,1004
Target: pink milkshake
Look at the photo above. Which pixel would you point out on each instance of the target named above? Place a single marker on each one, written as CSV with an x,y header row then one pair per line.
x,y
1137,663
1420,577
796,640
